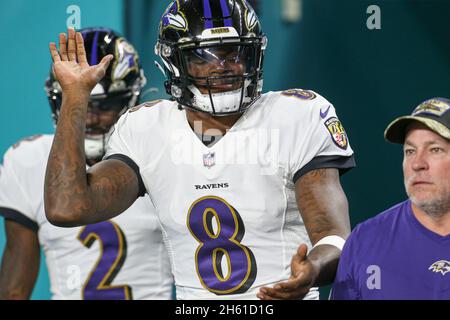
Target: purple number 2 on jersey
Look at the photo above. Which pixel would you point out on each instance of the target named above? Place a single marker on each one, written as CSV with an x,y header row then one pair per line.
x,y
225,243
113,247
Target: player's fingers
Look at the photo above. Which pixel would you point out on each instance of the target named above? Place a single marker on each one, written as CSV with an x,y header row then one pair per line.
x,y
104,64
265,297
54,52
100,69
106,60
262,294
299,284
301,254
63,46
289,285
302,251
298,292
71,47
81,51
273,294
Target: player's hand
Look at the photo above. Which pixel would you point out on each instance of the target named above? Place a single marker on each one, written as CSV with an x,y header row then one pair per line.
x,y
303,275
71,68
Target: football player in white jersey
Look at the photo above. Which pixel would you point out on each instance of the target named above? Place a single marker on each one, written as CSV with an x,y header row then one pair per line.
x,y
246,185
120,258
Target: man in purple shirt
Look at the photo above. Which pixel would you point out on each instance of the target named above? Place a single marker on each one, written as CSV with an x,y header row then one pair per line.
x,y
404,252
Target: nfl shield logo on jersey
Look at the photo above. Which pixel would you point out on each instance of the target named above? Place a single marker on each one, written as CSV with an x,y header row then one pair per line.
x,y
209,159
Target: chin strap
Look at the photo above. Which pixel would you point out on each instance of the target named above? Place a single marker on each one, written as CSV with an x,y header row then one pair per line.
x,y
95,147
224,102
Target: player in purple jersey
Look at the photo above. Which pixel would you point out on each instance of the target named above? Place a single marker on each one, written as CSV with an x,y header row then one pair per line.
x,y
404,253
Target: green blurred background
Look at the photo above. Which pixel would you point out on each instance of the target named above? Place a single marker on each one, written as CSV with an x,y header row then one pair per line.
x,y
371,76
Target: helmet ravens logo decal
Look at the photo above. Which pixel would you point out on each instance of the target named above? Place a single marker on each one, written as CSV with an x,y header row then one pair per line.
x,y
126,60
441,266
173,18
250,18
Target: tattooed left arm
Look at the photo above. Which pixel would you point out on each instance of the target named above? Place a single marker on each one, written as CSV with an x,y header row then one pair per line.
x,y
324,209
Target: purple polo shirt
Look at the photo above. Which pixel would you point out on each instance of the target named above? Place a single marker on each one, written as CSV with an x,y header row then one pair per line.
x,y
393,256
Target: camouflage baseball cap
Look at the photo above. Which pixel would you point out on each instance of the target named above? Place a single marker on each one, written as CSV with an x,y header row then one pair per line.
x,y
433,113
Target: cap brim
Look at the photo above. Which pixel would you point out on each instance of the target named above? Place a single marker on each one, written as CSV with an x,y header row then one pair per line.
x,y
396,130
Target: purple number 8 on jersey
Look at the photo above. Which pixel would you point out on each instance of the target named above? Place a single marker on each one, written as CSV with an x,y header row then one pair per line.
x,y
224,243
113,247
300,94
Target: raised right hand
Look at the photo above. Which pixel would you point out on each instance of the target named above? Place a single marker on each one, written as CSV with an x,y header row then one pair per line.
x,y
71,68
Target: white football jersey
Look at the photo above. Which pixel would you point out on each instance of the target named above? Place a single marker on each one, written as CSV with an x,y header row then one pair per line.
x,y
228,211
122,258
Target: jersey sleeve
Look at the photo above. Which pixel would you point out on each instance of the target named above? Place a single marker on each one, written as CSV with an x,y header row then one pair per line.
x,y
18,177
345,286
122,145
320,140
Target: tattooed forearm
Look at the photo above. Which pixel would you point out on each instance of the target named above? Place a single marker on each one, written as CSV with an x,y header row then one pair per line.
x,y
73,196
323,204
65,181
324,209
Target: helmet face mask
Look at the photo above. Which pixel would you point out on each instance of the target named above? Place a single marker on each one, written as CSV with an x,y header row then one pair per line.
x,y
113,102
118,91
217,70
